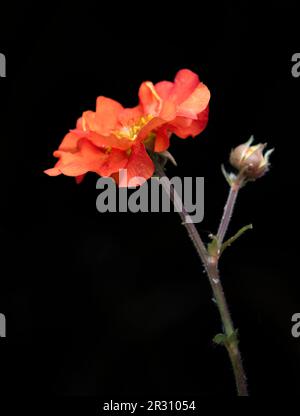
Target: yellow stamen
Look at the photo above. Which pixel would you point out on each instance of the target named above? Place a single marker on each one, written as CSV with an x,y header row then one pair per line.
x,y
131,132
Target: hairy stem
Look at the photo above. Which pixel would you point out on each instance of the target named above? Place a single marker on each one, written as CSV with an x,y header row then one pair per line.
x,y
211,266
231,342
228,209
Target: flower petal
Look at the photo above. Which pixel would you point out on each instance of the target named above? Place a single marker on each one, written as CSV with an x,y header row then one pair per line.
x,y
87,158
79,178
70,141
149,99
79,124
128,116
139,165
105,119
195,103
148,128
109,141
104,141
53,171
116,160
184,127
164,89
185,83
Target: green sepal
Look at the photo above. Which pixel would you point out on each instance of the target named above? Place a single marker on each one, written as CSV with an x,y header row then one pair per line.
x,y
230,177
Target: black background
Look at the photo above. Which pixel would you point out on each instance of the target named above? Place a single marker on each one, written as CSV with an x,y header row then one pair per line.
x,y
117,305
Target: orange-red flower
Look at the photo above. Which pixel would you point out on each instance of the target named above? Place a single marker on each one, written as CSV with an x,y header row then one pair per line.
x,y
104,141
114,137
182,104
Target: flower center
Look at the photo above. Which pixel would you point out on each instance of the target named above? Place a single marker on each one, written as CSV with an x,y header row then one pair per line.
x,y
131,132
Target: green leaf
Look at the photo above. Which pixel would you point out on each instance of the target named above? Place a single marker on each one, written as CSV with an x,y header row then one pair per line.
x,y
222,339
236,236
219,339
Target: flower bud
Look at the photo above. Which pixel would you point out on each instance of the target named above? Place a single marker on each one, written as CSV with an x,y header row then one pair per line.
x,y
250,160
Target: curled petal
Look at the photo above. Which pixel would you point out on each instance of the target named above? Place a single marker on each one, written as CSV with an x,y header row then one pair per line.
x,y
195,103
184,85
87,158
53,171
105,119
184,127
168,108
149,99
70,141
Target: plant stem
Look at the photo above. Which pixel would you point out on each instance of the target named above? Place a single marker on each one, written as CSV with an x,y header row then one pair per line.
x,y
228,209
185,217
231,342
211,266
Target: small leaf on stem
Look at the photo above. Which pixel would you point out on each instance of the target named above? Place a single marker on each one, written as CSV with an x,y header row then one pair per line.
x,y
236,236
219,339
222,339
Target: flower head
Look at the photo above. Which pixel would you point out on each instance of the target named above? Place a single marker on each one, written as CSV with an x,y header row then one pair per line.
x,y
113,137
105,141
